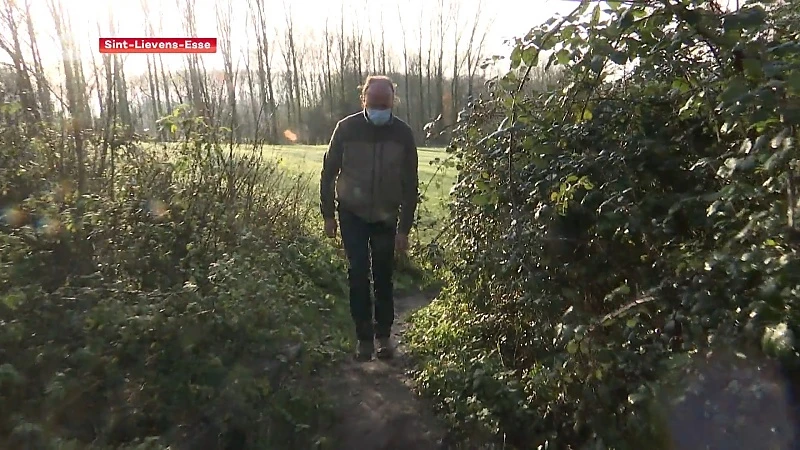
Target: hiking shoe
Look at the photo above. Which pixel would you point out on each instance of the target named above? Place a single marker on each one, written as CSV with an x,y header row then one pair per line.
x,y
385,348
364,350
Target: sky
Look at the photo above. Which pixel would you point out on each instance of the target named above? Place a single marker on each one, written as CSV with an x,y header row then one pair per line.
x,y
503,19
509,19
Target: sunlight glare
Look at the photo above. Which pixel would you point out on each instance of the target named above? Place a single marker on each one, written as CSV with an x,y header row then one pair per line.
x,y
289,134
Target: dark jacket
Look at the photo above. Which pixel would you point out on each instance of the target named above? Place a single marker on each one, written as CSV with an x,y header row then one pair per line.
x,y
371,171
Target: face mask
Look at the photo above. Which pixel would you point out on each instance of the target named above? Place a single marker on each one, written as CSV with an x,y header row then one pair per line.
x,y
379,116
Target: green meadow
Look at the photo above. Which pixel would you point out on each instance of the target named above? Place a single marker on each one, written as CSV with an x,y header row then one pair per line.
x,y
435,179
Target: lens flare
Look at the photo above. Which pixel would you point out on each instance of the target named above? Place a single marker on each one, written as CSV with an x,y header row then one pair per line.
x,y
289,134
13,217
157,209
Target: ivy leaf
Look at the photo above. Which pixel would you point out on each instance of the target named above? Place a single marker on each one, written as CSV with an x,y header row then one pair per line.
x,y
619,57
567,33
737,88
516,57
572,347
563,56
596,64
626,19
752,67
790,115
793,82
752,16
585,114
530,56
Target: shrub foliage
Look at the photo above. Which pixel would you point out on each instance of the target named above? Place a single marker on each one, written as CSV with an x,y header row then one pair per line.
x,y
178,299
623,264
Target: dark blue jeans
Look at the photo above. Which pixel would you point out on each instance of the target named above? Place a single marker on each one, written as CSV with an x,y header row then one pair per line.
x,y
369,247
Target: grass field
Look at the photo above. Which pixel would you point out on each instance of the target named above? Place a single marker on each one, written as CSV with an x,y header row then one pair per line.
x,y
435,180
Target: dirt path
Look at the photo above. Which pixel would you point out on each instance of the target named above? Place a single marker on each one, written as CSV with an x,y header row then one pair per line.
x,y
376,407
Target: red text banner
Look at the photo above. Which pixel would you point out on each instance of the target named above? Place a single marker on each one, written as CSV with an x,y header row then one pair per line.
x,y
158,45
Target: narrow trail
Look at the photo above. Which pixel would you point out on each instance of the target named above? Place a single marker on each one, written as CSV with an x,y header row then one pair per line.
x,y
376,408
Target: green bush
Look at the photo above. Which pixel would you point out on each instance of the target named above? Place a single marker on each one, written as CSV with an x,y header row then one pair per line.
x,y
182,299
624,264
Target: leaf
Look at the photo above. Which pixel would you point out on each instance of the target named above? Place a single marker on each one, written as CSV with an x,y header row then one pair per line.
x,y
793,82
752,67
596,64
516,57
481,199
572,347
626,19
595,16
530,56
567,33
737,88
727,169
778,140
563,56
619,57
751,16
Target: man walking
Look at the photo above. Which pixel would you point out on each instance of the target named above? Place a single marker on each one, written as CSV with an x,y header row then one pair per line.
x,y
370,171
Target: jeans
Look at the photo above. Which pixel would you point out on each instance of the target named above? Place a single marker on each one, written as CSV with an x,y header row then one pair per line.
x,y
369,246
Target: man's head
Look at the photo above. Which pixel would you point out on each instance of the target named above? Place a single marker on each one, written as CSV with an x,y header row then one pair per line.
x,y
377,96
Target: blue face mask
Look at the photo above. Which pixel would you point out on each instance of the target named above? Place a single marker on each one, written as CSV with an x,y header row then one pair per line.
x,y
379,116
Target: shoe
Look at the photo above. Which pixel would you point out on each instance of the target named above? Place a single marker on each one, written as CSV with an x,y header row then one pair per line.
x,y
385,348
364,350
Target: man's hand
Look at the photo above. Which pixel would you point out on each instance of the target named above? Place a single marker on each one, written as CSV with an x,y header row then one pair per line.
x,y
330,228
401,242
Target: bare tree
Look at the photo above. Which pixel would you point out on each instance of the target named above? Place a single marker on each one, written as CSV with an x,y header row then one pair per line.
x,y
11,17
317,80
76,110
327,69
42,86
422,109
475,45
194,88
152,74
383,44
442,25
264,58
342,64
224,13
406,71
458,63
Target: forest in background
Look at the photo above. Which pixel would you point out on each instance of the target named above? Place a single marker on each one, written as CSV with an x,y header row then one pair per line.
x,y
285,78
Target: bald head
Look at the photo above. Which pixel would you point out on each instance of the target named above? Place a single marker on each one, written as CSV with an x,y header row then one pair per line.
x,y
378,93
